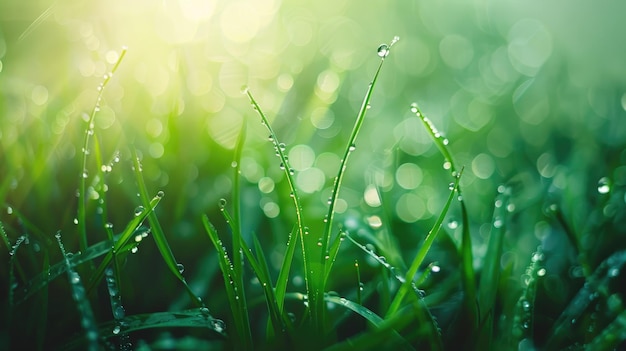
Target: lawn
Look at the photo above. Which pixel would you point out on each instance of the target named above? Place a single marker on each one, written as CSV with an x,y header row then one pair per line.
x,y
304,175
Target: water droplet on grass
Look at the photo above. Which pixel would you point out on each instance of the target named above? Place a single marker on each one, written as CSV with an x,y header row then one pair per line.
x,y
160,194
75,220
245,89
138,210
85,174
453,224
414,107
180,268
352,148
604,185
222,204
218,325
9,210
117,330
383,50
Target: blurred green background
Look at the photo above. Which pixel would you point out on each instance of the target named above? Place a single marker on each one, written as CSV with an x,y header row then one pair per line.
x,y
531,94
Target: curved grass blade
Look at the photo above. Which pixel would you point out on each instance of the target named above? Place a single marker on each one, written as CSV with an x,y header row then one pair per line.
x,y
421,253
383,336
598,282
81,216
42,279
467,271
313,291
383,262
157,231
243,340
193,318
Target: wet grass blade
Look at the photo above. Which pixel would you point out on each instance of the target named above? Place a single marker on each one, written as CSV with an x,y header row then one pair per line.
x,y
490,276
468,275
383,262
421,253
88,320
524,310
42,279
595,285
82,198
285,268
157,232
332,255
313,291
243,340
350,147
194,318
385,336
122,241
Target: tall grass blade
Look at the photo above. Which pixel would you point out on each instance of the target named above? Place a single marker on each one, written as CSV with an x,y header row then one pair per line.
x,y
88,320
524,310
285,267
157,232
350,147
243,340
467,272
312,290
423,250
490,276
82,198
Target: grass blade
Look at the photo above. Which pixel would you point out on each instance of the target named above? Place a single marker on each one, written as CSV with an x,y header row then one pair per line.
x,y
88,320
157,232
243,340
421,253
285,267
490,275
193,318
312,291
82,198
350,147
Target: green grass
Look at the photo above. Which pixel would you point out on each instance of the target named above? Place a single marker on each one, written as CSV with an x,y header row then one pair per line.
x,y
363,287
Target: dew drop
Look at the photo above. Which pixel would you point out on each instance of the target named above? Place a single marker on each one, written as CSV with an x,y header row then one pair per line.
x,y
270,138
451,186
85,174
282,146
134,250
222,204
180,268
453,224
117,330
604,185
160,194
204,310
218,325
497,223
445,141
233,164
525,305
9,210
613,272
244,89
108,225
75,220
414,108
435,269
541,272
352,148
138,211
447,165
383,50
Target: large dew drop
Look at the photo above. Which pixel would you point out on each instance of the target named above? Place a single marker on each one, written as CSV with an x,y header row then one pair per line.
x,y
604,185
383,50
